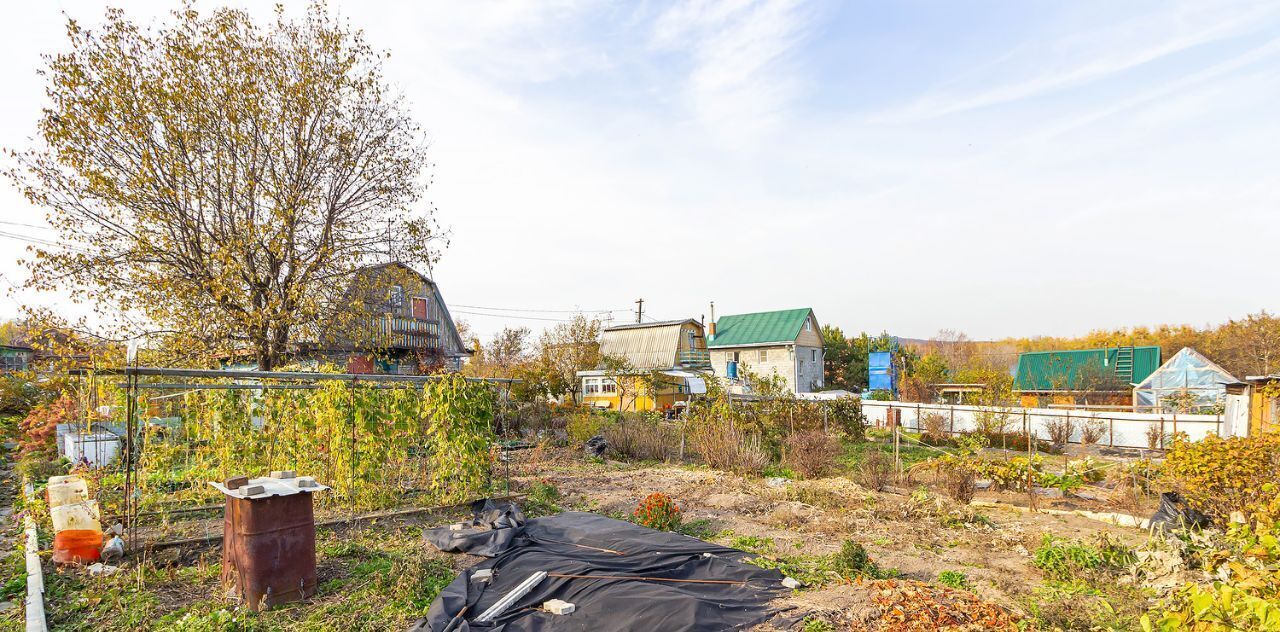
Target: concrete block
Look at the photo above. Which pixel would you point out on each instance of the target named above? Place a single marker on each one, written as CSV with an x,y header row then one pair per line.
x,y
556,606
253,490
482,575
283,474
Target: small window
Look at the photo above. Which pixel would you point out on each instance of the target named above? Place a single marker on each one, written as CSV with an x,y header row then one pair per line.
x,y
764,355
608,386
813,354
395,296
808,326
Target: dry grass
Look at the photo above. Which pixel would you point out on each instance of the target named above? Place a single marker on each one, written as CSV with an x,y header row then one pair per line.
x,y
725,448
933,425
958,482
642,439
810,453
1060,430
875,470
1091,431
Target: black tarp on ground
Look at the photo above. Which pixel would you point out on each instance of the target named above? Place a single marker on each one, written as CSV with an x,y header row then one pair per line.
x,y
590,544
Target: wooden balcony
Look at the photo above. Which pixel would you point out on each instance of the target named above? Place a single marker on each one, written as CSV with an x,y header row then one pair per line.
x,y
398,332
694,359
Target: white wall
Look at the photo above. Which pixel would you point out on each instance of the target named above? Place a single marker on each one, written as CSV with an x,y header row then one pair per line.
x,y
1122,429
809,368
779,360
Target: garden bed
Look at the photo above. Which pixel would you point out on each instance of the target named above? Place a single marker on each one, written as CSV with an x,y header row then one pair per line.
x,y
975,565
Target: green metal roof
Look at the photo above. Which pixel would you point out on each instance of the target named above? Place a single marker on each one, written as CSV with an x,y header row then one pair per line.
x,y
764,327
1064,370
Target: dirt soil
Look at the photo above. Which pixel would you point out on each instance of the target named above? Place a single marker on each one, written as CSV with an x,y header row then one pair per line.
x,y
991,541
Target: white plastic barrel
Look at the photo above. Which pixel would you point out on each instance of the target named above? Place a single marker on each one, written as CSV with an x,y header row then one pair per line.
x,y
67,491
76,517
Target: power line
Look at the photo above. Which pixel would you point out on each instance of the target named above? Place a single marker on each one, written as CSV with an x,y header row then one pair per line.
x,y
557,320
545,311
38,241
26,225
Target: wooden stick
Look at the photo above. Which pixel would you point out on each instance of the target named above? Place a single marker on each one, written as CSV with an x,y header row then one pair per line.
x,y
457,617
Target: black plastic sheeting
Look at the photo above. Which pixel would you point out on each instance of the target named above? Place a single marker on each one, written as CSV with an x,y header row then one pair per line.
x,y
590,544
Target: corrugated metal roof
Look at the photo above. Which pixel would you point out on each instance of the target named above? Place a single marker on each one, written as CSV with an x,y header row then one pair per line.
x,y
653,346
763,327
660,323
1062,370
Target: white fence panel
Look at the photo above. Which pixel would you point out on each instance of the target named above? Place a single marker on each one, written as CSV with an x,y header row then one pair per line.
x,y
1120,429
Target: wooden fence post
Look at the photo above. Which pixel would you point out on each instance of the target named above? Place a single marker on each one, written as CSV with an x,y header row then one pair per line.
x,y
953,419
1031,458
897,459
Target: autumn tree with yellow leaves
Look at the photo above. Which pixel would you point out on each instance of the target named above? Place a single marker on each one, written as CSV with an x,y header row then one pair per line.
x,y
220,180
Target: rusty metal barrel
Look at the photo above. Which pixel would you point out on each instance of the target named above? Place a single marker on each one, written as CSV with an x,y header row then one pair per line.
x,y
269,539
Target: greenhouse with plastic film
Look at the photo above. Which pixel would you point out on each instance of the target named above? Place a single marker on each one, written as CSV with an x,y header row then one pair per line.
x,y
1187,383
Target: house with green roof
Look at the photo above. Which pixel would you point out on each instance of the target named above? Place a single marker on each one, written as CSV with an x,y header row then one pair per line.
x,y
787,343
1083,376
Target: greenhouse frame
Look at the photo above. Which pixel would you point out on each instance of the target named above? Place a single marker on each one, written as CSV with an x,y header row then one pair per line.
x,y
1187,383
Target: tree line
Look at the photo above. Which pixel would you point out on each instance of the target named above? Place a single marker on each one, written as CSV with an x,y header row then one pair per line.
x,y
1243,347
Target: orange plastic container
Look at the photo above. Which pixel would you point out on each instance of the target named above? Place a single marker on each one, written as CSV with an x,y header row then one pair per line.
x,y
77,546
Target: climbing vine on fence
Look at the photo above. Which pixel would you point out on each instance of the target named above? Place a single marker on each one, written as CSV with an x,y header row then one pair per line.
x,y
374,445
459,435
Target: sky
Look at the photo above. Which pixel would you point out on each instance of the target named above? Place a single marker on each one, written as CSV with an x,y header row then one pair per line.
x,y
998,168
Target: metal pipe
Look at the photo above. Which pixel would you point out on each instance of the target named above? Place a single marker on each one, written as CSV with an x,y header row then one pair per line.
x,y
306,376
510,598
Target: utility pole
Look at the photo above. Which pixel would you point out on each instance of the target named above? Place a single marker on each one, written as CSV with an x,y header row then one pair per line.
x,y
639,309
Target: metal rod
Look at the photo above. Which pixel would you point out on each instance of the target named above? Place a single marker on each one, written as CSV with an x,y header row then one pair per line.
x,y
216,538
305,376
649,579
510,598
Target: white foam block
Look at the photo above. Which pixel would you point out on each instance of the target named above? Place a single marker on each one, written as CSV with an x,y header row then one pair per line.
x,y
556,606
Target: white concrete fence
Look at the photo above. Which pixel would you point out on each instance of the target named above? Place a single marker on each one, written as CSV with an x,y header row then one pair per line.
x,y
1119,429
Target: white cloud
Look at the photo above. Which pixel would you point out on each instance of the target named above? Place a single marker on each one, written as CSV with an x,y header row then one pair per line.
x,y
1085,58
742,79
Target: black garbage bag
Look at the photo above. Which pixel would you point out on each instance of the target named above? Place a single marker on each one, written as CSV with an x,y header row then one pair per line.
x,y
1174,514
597,446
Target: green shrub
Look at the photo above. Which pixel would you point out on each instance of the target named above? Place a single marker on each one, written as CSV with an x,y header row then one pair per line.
x,y
1218,476
853,561
1065,560
954,579
585,423
542,498
1246,595
845,414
